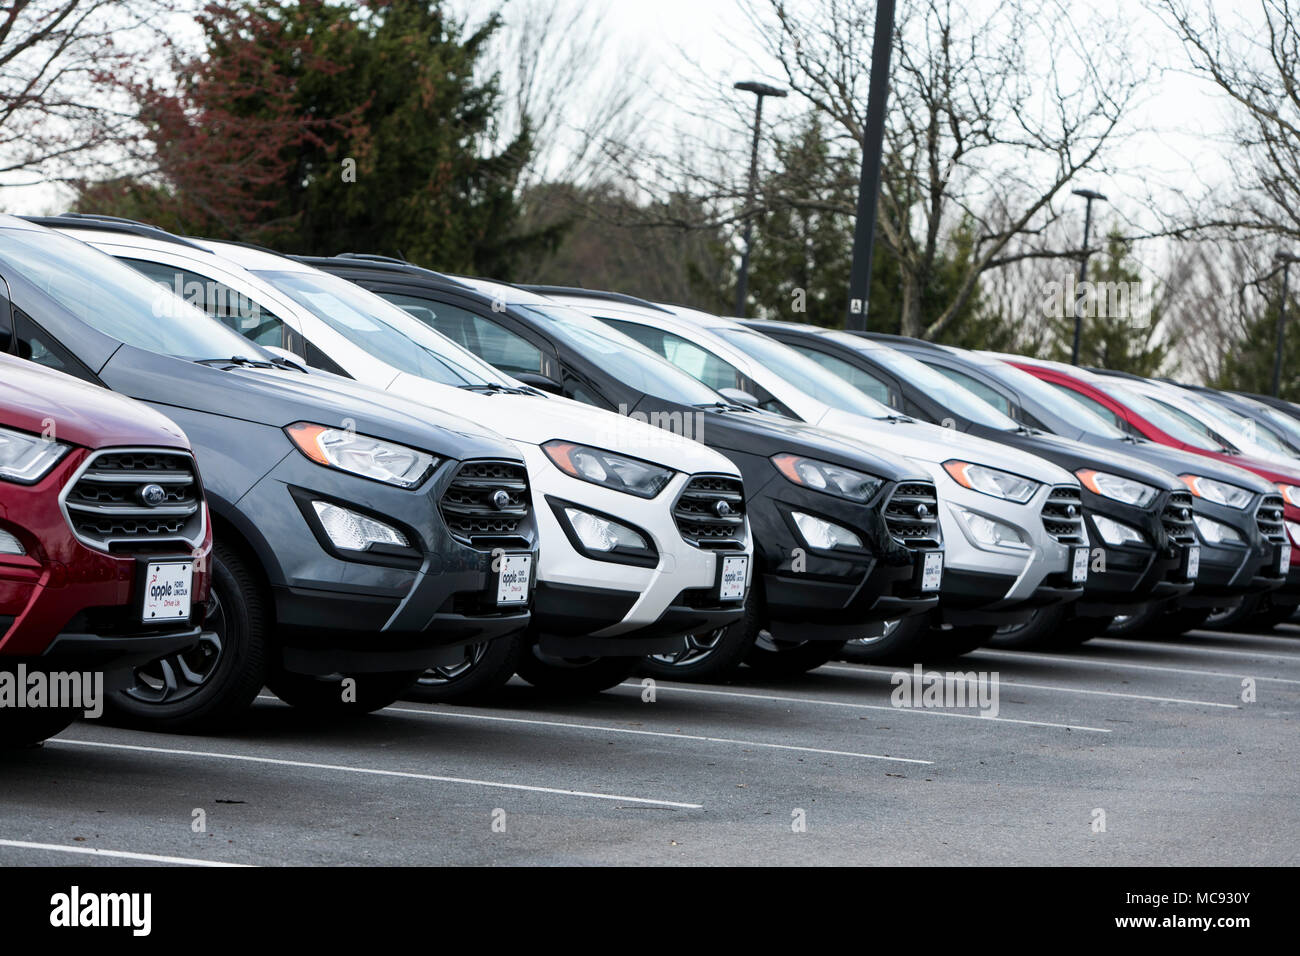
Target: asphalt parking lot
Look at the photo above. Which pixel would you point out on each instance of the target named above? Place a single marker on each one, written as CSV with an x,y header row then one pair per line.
x,y
1119,752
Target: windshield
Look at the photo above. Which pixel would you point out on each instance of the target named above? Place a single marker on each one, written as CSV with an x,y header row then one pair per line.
x,y
622,357
118,301
385,331
1062,406
935,384
1280,421
1159,416
1237,427
805,374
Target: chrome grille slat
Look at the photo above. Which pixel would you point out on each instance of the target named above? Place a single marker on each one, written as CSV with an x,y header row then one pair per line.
x,y
467,506
915,531
102,505
1057,520
698,521
1269,517
1179,529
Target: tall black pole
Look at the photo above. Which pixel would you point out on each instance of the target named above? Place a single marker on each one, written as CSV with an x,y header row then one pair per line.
x,y
759,90
1083,277
873,138
742,285
1281,327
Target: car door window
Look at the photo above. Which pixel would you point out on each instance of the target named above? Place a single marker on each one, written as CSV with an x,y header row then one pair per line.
x,y
686,355
496,345
31,342
863,381
231,308
977,387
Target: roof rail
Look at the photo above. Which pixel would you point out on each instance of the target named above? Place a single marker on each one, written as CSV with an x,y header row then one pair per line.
x,y
81,220
374,257
898,339
366,258
578,292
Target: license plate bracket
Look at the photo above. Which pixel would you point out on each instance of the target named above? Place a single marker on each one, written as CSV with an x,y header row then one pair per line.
x,y
167,590
1079,566
514,579
733,571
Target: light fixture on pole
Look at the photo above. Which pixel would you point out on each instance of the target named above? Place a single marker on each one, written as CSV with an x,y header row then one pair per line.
x,y
1285,258
759,90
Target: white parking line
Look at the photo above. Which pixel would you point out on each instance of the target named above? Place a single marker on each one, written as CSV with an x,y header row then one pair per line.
x,y
115,854
1279,638
1120,662
1162,646
677,688
406,775
651,733
882,671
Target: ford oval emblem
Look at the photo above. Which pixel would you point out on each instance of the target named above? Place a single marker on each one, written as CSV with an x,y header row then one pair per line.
x,y
1071,511
1185,514
501,499
152,495
922,510
721,508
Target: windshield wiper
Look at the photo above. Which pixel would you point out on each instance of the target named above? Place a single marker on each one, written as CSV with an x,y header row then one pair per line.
x,y
495,388
241,360
725,406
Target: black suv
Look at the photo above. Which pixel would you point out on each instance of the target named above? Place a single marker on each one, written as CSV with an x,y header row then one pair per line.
x,y
357,536
843,537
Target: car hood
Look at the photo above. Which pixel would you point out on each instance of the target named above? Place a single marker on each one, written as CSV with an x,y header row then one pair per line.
x,y
934,445
280,397
540,418
1072,454
1180,462
45,402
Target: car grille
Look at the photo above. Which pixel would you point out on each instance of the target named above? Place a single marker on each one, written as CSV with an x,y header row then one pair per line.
x,y
1177,527
1269,517
710,512
1061,524
106,503
912,514
471,507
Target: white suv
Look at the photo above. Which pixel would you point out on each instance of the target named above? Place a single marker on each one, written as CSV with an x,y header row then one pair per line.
x,y
616,579
1001,560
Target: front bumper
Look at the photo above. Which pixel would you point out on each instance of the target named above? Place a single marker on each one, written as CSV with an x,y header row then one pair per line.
x,y
1125,577
632,603
364,612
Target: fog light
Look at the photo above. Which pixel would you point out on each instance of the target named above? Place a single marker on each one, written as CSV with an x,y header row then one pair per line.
x,y
9,544
1293,528
989,533
823,535
602,534
350,531
1214,532
1115,532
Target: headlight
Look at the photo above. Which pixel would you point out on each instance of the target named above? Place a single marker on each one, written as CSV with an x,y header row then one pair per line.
x,y
1115,532
989,533
824,535
823,476
1290,494
991,481
1219,492
1214,532
352,531
361,455
1127,490
630,475
27,458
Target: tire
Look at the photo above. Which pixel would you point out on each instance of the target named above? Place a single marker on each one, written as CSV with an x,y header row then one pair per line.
x,y
713,657
1039,631
1176,623
325,695
784,659
482,673
956,641
208,686
1075,631
1237,617
1269,616
581,676
28,728
1136,624
903,642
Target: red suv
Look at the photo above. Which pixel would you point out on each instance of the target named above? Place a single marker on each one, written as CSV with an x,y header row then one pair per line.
x,y
104,546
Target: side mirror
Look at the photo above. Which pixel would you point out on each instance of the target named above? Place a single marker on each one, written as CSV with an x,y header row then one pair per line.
x,y
538,381
739,396
294,360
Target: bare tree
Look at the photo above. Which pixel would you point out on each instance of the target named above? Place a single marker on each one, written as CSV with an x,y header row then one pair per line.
x,y
991,115
60,60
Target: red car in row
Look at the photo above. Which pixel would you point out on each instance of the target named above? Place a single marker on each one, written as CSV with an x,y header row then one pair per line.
x,y
1134,414
104,546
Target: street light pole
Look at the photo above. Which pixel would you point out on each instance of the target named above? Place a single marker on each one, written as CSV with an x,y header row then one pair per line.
x,y
759,90
1286,259
873,138
1089,195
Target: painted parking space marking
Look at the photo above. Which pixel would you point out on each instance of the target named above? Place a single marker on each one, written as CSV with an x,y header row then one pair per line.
x,y
116,854
1119,662
370,771
678,689
654,733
